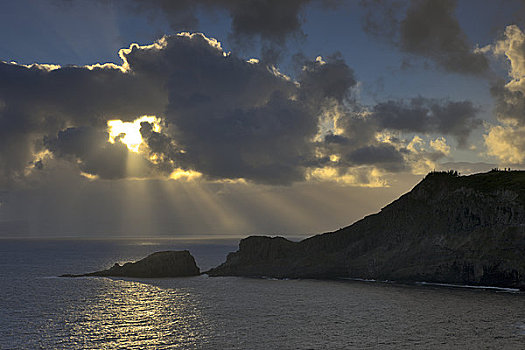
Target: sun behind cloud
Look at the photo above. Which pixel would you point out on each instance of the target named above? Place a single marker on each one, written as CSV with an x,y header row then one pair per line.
x,y
129,132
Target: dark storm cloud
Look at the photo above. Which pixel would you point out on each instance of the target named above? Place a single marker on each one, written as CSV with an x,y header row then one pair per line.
x,y
429,29
271,20
384,156
365,149
89,148
232,118
83,94
418,115
331,79
267,143
358,143
221,116
36,101
428,116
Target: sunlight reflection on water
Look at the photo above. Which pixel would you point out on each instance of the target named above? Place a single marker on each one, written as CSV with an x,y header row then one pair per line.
x,y
132,315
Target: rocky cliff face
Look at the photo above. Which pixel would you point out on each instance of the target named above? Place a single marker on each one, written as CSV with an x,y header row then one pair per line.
x,y
449,229
156,265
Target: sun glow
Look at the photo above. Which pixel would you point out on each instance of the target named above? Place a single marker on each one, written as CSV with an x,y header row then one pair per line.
x,y
187,175
129,132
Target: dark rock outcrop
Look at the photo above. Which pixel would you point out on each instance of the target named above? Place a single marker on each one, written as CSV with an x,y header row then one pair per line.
x,y
156,265
448,229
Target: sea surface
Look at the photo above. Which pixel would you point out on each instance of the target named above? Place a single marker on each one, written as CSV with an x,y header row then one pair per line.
x,y
41,311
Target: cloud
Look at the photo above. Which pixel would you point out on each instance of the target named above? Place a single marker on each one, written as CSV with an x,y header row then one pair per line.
x,y
505,141
510,96
216,115
330,79
226,118
428,29
95,155
273,20
422,115
373,136
37,101
363,176
513,47
244,120
440,145
385,156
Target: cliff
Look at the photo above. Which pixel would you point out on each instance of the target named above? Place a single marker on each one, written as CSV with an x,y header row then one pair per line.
x,y
448,229
156,265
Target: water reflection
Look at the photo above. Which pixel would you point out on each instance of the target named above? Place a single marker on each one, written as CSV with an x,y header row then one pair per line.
x,y
133,315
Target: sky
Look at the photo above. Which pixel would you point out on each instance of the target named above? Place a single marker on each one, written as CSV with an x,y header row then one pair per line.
x,y
229,118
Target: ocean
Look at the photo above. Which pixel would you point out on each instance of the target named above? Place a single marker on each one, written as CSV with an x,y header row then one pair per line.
x,y
41,311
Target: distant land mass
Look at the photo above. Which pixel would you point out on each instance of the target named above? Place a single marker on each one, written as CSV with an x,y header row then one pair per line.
x,y
447,229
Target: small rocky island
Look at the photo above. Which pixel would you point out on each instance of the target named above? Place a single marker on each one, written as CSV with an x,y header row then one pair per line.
x,y
156,265
448,229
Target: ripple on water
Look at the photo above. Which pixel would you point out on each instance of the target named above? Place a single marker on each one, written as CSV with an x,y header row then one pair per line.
x,y
128,314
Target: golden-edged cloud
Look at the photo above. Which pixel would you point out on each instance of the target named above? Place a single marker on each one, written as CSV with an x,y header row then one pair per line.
x,y
505,141
182,108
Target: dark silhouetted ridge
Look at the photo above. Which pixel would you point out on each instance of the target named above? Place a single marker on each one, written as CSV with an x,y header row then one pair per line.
x,y
447,229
